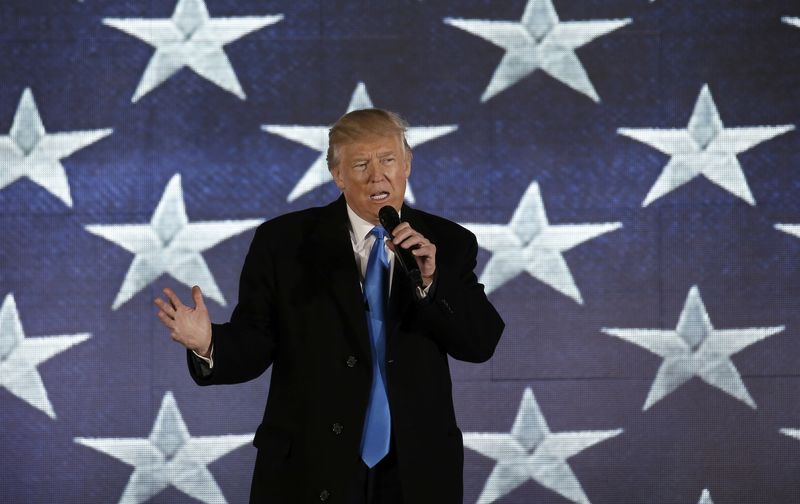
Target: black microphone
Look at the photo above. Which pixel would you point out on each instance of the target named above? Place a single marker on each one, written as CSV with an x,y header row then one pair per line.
x,y
389,220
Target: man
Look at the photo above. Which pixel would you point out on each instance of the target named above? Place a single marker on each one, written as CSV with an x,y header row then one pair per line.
x,y
360,407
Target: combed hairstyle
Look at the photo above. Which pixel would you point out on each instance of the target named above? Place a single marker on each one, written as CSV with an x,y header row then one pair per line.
x,y
361,125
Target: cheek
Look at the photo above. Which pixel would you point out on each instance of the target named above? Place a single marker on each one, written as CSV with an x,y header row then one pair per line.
x,y
400,175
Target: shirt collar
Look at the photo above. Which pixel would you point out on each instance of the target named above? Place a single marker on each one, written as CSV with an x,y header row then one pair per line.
x,y
358,226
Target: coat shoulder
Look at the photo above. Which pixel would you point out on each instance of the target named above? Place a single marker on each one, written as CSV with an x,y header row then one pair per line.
x,y
441,227
295,228
293,220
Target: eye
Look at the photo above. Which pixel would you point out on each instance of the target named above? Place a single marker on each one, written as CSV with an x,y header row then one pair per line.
x,y
388,160
360,166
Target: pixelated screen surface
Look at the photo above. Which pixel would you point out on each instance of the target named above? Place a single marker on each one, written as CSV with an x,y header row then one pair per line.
x,y
630,169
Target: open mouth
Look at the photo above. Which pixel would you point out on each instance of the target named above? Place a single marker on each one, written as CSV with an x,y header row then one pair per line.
x,y
379,196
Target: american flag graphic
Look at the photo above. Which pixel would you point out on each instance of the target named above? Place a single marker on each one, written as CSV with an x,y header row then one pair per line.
x,y
630,168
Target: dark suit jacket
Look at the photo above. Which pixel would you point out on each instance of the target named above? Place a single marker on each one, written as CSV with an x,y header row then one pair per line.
x,y
301,310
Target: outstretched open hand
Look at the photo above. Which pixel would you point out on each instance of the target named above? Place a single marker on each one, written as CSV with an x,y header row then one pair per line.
x,y
191,327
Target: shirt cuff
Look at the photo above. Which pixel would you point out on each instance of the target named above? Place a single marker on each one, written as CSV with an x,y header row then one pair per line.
x,y
209,361
423,293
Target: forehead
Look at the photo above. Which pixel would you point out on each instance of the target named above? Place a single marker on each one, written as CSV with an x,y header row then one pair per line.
x,y
373,146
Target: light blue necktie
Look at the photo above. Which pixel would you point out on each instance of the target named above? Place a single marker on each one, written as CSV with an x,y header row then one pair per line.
x,y
378,425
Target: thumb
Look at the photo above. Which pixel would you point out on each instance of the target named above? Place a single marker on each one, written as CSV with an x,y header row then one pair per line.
x,y
197,296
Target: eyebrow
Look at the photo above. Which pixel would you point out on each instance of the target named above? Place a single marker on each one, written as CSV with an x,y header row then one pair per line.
x,y
364,157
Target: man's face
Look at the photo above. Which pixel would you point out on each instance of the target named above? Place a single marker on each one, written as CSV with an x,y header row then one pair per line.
x,y
372,173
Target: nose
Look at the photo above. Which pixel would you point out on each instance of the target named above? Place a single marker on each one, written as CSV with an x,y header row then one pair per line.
x,y
375,170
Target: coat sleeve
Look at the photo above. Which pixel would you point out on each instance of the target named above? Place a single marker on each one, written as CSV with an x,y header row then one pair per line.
x,y
458,315
246,346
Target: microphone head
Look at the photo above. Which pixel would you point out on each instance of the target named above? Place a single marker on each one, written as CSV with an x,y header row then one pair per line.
x,y
389,218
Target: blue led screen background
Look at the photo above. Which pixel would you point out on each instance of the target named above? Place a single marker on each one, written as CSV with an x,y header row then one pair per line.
x,y
630,169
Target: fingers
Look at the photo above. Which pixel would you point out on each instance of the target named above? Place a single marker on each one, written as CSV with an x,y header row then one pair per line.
x,y
165,319
421,248
165,307
173,298
197,296
406,237
401,232
424,250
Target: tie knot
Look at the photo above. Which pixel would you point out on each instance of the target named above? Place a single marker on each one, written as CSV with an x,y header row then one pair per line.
x,y
378,232
378,248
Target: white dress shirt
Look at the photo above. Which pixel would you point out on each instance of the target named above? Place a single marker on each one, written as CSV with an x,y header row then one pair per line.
x,y
362,240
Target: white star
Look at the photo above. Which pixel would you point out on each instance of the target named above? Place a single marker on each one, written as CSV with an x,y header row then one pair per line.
x,y
539,41
19,357
169,456
530,243
793,433
170,244
531,451
791,21
29,151
792,229
316,137
705,497
190,38
695,348
706,147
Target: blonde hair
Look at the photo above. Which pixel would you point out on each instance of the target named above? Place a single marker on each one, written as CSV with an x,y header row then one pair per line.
x,y
362,124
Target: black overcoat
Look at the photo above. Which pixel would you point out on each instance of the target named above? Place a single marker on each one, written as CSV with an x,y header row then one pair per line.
x,y
301,310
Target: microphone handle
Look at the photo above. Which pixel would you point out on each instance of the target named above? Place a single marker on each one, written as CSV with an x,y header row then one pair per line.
x,y
389,220
413,272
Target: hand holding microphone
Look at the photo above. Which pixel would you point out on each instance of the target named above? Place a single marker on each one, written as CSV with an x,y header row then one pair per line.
x,y
415,253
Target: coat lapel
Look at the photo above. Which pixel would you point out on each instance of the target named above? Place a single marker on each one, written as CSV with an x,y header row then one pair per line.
x,y
333,257
331,253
